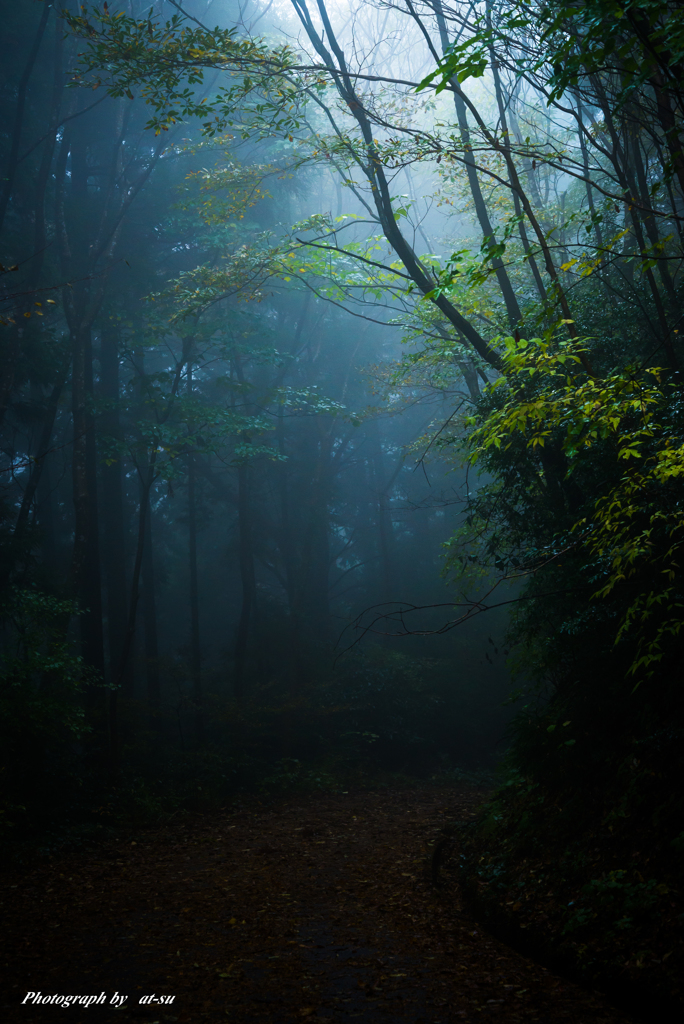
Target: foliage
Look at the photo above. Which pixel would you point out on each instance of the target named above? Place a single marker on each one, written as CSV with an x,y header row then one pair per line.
x,y
578,845
630,423
229,373
642,38
165,60
42,703
40,673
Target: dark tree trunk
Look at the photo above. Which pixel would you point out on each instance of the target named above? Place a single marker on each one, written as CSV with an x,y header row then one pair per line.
x,y
668,122
86,553
522,230
11,168
145,487
195,649
38,466
46,517
315,568
376,177
10,349
503,280
621,163
150,619
114,544
383,517
286,540
287,544
40,234
247,579
649,221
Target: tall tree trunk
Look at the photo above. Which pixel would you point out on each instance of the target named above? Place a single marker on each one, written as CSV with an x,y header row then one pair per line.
x,y
383,515
85,570
371,165
503,280
143,566
297,669
46,517
147,479
649,220
620,160
286,541
38,463
668,122
247,579
150,618
11,169
604,271
195,649
10,348
113,526
40,233
113,499
315,569
522,230
86,553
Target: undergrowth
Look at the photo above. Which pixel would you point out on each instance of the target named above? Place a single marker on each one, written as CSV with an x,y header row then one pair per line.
x,y
592,885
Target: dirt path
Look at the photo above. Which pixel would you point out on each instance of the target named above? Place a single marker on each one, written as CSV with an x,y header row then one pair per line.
x,y
319,911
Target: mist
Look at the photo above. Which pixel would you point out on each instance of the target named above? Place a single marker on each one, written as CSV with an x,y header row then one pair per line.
x,y
341,459
232,480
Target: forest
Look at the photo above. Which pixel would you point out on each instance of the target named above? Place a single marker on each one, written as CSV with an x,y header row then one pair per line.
x,y
341,488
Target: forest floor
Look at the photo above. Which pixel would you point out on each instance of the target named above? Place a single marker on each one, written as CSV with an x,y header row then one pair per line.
x,y
318,909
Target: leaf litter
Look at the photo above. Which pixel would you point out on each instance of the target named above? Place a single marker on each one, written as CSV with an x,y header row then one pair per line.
x,y
320,908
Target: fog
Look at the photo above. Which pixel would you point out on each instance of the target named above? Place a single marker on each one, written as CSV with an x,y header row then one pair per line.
x,y
340,508
223,473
